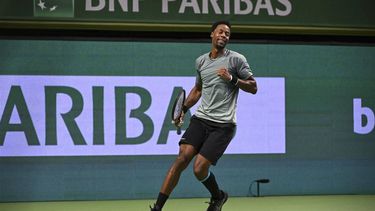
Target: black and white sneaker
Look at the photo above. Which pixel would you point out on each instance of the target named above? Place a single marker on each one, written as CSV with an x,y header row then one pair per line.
x,y
155,208
217,204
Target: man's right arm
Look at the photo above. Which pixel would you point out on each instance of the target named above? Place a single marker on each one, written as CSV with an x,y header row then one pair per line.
x,y
191,100
194,96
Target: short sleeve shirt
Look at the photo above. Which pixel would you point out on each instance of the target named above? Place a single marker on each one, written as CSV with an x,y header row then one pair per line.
x,y
219,97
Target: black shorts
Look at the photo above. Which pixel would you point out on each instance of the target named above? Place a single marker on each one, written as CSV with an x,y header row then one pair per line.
x,y
210,139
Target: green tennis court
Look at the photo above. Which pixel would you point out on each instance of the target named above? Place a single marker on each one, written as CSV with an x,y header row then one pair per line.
x,y
280,203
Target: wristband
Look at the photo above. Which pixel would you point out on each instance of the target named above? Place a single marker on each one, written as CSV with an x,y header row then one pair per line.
x,y
234,80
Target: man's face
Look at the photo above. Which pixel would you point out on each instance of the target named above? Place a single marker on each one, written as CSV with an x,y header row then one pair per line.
x,y
220,36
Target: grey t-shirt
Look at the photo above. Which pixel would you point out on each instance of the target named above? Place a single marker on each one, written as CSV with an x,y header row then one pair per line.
x,y
219,97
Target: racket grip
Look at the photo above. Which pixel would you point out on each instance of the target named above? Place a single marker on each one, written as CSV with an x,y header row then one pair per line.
x,y
178,130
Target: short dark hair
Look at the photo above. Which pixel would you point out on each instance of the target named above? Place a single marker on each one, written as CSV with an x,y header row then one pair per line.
x,y
214,25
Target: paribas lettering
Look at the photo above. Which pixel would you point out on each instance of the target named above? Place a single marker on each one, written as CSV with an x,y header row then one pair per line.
x,y
215,7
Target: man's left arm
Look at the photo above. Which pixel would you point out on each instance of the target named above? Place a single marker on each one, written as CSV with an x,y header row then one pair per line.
x,y
244,77
248,85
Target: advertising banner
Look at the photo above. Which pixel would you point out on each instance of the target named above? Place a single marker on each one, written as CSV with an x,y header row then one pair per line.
x,y
97,115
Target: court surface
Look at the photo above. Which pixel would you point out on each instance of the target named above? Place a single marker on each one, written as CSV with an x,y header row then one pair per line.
x,y
277,203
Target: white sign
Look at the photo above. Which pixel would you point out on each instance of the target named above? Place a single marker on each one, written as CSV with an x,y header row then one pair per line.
x,y
105,115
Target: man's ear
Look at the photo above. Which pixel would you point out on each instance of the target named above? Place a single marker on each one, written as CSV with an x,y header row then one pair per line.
x,y
212,34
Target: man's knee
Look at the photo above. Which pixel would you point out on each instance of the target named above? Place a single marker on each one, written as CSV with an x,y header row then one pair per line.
x,y
200,172
201,167
185,155
182,161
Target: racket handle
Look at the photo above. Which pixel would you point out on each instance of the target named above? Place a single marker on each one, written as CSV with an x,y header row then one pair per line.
x,y
178,130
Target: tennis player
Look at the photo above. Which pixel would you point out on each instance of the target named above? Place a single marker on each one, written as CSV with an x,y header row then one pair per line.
x,y
220,74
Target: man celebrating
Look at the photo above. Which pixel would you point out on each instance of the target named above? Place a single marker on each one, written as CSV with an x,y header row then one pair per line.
x,y
220,75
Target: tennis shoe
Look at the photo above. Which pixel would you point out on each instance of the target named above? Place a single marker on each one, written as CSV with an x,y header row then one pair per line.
x,y
155,208
217,204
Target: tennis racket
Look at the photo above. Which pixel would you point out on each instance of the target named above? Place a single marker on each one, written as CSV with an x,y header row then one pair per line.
x,y
177,109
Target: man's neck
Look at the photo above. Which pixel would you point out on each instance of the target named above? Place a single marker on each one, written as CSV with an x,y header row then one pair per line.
x,y
215,53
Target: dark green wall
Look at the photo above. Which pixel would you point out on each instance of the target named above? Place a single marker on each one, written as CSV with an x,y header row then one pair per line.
x,y
323,154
